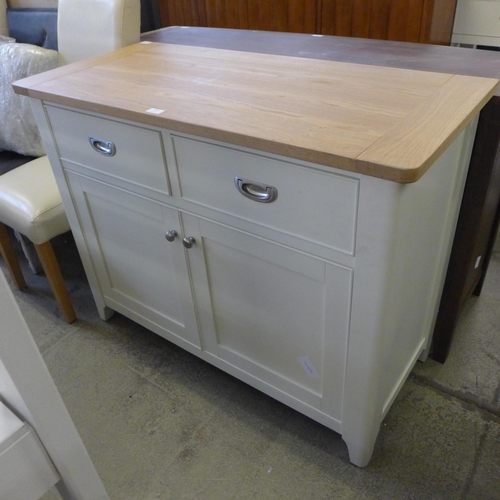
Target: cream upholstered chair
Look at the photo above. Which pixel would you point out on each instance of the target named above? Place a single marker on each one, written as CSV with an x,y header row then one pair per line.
x,y
29,198
87,28
30,204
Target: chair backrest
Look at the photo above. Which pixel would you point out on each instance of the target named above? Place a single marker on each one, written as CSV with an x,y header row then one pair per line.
x,y
87,28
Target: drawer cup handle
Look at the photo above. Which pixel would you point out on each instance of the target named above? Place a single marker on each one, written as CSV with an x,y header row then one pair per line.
x,y
256,191
105,148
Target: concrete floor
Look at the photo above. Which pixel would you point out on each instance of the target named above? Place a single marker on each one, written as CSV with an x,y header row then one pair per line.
x,y
161,424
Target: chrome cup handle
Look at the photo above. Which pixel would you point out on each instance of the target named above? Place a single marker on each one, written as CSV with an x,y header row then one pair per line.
x,y
106,148
256,191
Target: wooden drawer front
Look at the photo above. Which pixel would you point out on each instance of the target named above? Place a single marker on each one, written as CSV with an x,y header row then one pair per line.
x,y
477,17
318,206
139,157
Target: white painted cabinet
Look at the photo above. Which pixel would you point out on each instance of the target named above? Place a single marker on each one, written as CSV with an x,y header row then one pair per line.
x,y
477,22
323,297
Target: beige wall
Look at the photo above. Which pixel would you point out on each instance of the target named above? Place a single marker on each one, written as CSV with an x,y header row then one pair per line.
x,y
30,4
4,31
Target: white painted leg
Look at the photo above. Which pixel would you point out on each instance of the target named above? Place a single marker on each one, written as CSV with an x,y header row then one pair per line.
x,y
105,312
360,450
424,355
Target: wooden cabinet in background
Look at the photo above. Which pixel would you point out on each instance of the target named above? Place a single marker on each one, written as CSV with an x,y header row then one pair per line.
x,y
425,21
180,13
299,16
281,15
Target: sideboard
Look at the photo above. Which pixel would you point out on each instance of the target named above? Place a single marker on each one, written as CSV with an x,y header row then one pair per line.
x,y
286,219
480,211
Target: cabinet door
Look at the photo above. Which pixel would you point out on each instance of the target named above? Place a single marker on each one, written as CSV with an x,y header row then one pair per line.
x,y
275,313
140,273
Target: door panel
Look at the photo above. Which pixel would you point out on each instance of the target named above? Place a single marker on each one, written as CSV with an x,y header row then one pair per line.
x,y
278,314
137,268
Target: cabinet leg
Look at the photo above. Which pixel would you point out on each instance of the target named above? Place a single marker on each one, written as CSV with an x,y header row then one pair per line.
x,y
360,443
105,312
360,454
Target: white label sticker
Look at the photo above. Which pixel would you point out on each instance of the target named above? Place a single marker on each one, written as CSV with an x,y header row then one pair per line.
x,y
478,260
155,111
316,35
308,367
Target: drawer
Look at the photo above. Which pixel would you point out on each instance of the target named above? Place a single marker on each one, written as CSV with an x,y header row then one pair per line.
x,y
132,153
315,205
478,17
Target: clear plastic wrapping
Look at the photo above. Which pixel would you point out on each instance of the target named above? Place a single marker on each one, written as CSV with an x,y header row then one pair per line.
x,y
18,129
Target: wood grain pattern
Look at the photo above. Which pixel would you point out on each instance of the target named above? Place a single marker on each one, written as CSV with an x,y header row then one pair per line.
x,y
282,15
69,69
429,128
226,13
425,21
386,122
181,13
437,21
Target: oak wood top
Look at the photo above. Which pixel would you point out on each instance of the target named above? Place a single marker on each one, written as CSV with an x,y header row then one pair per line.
x,y
405,55
387,122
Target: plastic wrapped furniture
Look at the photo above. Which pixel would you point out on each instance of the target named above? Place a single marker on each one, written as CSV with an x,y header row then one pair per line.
x,y
18,128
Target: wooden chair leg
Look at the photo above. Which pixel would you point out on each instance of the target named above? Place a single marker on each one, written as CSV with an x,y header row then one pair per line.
x,y
53,273
10,258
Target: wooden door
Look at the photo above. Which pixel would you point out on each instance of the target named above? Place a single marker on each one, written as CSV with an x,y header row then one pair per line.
x,y
298,16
